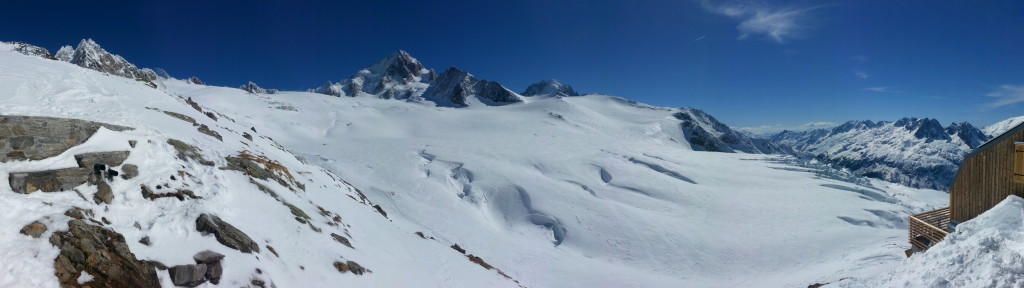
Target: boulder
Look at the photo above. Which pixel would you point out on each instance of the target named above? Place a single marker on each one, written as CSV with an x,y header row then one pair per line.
x,y
103,254
129,171
188,275
226,233
207,257
341,239
35,229
103,193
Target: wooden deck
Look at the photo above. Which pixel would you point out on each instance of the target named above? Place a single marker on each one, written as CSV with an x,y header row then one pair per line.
x,y
928,228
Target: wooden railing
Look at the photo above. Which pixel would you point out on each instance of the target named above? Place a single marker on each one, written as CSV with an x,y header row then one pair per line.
x,y
928,228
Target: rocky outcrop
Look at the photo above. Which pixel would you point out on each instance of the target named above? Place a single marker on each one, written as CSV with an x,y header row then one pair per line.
x,y
195,80
255,89
214,268
37,138
341,239
103,194
226,233
389,78
550,87
455,87
110,159
90,55
101,253
32,50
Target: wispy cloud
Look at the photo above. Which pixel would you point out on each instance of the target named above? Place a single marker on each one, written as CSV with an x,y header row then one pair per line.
x,y
882,89
1005,95
771,129
778,24
698,38
861,75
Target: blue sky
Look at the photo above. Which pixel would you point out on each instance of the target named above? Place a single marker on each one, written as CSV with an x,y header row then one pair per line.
x,y
773,64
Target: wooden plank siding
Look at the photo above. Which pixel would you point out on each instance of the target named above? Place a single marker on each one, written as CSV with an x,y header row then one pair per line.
x,y
986,177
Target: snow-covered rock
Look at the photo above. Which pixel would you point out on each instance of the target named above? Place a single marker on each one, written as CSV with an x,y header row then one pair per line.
x,y
90,55
550,87
32,50
911,151
65,53
458,88
987,251
397,76
248,87
705,133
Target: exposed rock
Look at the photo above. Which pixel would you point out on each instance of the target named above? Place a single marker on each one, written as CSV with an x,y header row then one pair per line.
x,y
454,87
188,275
90,55
252,88
380,210
132,143
352,266
214,271
195,80
129,171
251,165
206,130
144,240
207,257
103,194
186,152
342,240
32,50
34,229
49,181
78,213
181,194
110,159
247,136
457,248
550,87
182,117
226,233
101,253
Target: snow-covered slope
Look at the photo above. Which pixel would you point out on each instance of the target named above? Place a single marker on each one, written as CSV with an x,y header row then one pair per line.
x,y
589,191
987,251
292,215
1003,126
912,151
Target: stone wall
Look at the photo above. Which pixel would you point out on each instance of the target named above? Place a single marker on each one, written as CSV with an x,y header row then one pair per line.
x,y
36,138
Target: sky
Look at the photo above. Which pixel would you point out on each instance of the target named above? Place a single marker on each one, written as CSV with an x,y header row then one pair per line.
x,y
761,66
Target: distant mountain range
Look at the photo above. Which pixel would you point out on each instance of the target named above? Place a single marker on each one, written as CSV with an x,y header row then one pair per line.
x,y
915,152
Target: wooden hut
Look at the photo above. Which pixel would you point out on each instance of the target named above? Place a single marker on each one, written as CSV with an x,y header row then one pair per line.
x,y
987,175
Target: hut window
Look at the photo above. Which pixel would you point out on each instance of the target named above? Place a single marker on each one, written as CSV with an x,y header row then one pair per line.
x,y
1018,162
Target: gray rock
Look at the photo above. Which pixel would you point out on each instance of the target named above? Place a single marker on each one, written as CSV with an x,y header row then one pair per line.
x,y
36,138
207,257
226,233
214,271
188,275
342,240
110,159
103,254
129,171
49,181
103,194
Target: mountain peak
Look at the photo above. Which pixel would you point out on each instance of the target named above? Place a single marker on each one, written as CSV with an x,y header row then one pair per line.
x,y
90,55
550,87
398,75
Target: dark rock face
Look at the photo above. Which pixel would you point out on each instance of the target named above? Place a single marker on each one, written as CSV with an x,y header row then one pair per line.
x,y
453,87
188,152
255,89
195,80
207,257
34,229
188,275
101,253
705,133
37,138
206,130
226,233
